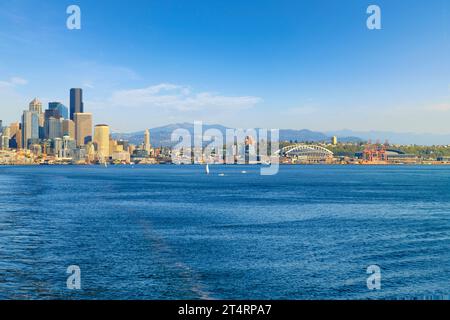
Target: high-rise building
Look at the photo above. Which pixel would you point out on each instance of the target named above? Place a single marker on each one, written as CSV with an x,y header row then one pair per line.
x,y
69,147
5,136
334,140
147,145
57,146
83,128
54,127
76,102
16,136
30,127
68,128
51,113
101,140
62,109
35,106
124,144
1,125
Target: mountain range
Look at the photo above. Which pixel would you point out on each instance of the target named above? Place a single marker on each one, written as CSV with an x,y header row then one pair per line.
x,y
161,136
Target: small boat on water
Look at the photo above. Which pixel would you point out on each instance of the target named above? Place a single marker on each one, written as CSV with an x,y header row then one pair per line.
x,y
207,168
244,172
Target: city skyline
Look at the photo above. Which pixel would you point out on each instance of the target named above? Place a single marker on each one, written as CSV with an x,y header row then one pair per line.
x,y
57,110
323,69
226,158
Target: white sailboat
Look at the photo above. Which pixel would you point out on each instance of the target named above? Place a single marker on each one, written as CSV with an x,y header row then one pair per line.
x,y
207,168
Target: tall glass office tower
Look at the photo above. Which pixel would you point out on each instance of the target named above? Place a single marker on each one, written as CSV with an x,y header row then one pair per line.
x,y
76,102
30,127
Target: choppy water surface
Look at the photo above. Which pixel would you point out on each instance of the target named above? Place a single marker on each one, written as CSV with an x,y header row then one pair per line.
x,y
171,232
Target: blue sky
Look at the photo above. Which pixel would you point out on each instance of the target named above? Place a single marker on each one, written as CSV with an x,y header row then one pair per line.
x,y
247,63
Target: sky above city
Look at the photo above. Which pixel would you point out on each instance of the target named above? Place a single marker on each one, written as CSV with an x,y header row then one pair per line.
x,y
241,63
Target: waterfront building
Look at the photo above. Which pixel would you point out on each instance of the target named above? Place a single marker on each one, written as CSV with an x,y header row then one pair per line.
x,y
124,144
112,145
131,148
57,146
399,157
35,148
68,148
68,128
47,146
147,145
250,150
1,125
139,155
62,109
121,156
101,140
30,127
83,128
79,155
116,147
76,102
90,152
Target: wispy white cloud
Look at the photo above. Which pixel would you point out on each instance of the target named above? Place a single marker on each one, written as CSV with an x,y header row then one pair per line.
x,y
12,82
179,98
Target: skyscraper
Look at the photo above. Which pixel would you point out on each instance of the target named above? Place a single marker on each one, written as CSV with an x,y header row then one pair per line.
x,y
16,136
54,128
147,145
83,128
76,102
68,128
35,106
30,127
62,109
5,138
334,140
101,140
51,113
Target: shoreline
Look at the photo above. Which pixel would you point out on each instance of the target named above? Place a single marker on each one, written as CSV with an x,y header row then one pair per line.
x,y
224,164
